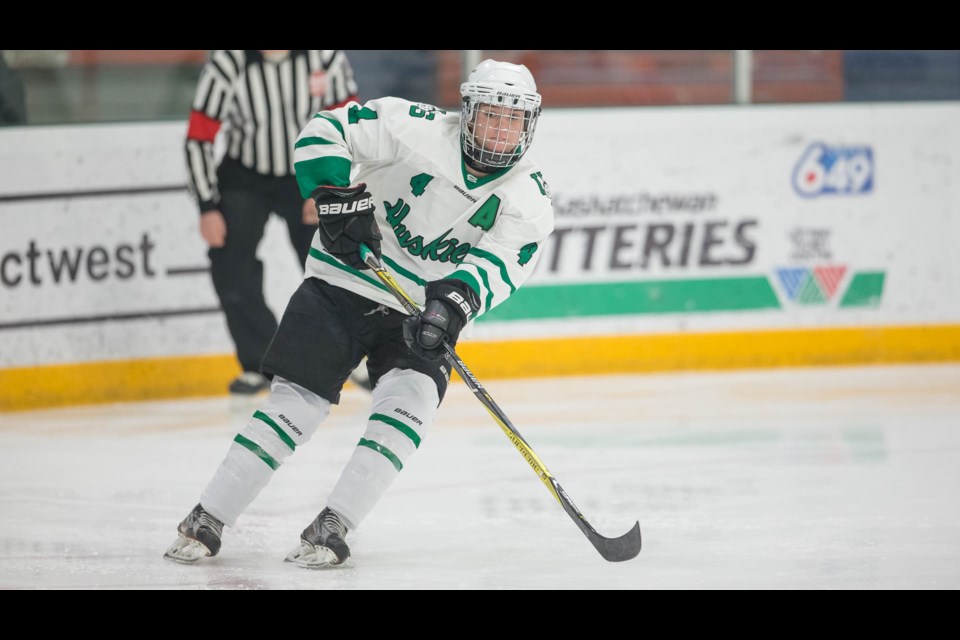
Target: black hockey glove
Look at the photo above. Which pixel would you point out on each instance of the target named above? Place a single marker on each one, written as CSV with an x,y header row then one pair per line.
x,y
450,304
346,220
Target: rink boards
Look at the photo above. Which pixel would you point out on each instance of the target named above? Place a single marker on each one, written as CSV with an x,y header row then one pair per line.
x,y
694,238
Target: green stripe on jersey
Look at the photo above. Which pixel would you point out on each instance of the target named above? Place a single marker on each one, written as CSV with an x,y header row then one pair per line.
x,y
334,122
486,283
399,426
306,142
409,275
333,262
497,262
331,170
379,448
471,282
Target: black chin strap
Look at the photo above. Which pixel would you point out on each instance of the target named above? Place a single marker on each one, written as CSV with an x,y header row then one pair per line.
x,y
478,166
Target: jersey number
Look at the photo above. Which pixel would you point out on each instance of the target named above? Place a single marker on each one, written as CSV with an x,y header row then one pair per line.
x,y
526,253
418,183
356,114
541,183
427,111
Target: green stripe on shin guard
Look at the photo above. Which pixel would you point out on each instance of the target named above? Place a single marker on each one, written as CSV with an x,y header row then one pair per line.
x,y
287,440
257,451
399,426
379,448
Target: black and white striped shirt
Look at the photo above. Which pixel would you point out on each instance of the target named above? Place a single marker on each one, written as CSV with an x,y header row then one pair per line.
x,y
265,104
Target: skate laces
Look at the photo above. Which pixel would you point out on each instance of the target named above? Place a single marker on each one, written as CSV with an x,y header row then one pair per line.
x,y
332,522
208,521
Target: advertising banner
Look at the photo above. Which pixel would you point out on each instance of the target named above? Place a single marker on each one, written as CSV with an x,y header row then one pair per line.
x,y
685,237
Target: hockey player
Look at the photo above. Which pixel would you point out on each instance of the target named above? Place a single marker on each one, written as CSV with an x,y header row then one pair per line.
x,y
455,210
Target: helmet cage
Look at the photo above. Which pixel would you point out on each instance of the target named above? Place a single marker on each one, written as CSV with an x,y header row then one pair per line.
x,y
516,103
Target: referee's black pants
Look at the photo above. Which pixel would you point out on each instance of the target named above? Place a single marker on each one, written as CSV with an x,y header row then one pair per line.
x,y
246,201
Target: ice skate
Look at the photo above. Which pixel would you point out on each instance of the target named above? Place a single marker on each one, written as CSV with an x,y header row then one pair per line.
x,y
198,536
247,391
322,543
249,383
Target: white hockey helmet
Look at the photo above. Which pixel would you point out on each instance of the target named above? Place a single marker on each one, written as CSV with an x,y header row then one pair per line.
x,y
501,84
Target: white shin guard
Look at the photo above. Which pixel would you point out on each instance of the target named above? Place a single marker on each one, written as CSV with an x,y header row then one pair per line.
x,y
404,405
286,420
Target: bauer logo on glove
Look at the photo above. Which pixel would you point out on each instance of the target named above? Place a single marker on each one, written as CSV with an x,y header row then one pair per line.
x,y
449,306
462,303
346,222
343,208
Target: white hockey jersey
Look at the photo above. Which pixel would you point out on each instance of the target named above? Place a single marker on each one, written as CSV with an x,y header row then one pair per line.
x,y
437,220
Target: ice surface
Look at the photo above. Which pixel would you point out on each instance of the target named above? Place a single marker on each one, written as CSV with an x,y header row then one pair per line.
x,y
838,478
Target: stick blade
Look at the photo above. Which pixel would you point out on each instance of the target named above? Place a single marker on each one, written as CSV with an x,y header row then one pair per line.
x,y
626,547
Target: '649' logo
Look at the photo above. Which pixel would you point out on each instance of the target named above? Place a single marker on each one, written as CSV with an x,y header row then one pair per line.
x,y
837,170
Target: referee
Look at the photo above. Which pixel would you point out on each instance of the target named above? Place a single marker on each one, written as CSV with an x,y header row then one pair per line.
x,y
265,98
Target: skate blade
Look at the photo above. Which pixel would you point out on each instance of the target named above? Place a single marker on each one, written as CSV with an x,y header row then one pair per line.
x,y
311,557
186,551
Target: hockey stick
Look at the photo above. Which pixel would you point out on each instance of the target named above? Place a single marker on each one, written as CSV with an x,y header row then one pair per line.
x,y
619,549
